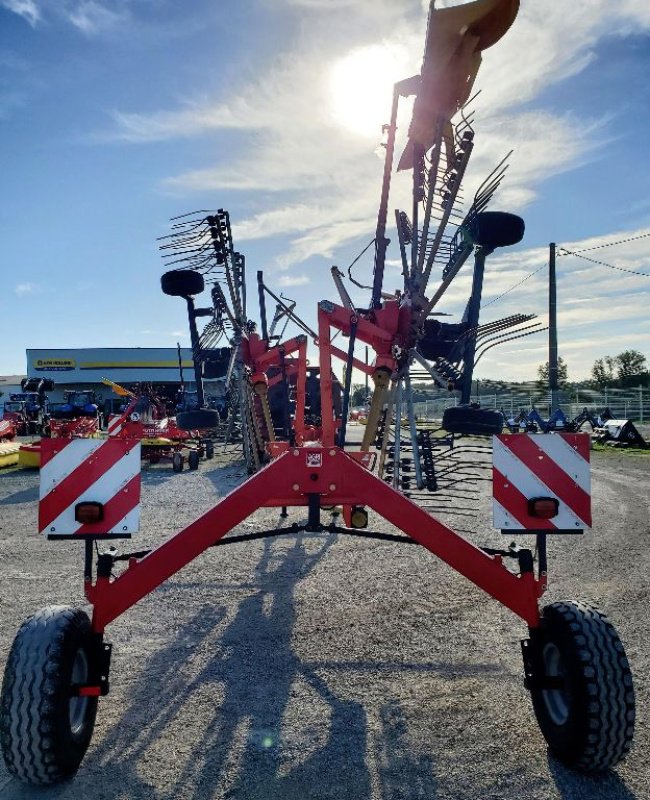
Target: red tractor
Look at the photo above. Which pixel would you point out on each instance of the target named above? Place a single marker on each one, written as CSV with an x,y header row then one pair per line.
x,y
14,417
7,430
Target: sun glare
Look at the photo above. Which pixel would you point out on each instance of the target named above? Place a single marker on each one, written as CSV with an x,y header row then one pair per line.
x,y
361,87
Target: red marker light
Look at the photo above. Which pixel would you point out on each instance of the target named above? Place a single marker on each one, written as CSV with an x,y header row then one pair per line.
x,y
543,507
89,512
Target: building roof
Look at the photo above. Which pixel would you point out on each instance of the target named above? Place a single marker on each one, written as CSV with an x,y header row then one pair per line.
x,y
11,380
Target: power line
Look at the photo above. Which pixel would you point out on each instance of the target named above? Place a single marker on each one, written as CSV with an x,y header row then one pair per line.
x,y
603,263
515,286
610,244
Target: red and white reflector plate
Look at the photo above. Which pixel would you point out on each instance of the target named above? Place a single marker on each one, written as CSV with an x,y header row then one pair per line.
x,y
104,471
529,465
115,422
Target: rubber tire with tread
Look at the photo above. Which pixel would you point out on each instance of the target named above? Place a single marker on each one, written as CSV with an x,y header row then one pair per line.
x,y
200,419
193,459
492,229
469,420
209,450
599,695
37,739
178,462
182,283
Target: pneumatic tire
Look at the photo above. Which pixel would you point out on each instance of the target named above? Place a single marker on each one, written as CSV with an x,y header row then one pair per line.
x,y
44,730
182,283
193,459
470,420
588,717
198,420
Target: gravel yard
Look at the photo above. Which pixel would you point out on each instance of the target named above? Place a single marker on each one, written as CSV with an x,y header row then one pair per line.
x,y
321,666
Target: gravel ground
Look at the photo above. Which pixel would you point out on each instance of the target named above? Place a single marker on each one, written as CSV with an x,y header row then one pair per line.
x,y
319,666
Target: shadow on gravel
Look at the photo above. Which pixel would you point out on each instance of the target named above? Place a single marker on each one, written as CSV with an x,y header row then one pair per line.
x,y
402,774
153,476
24,496
153,704
227,477
239,745
574,786
449,671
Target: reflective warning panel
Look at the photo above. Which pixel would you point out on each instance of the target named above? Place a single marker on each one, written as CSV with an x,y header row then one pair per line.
x,y
528,467
104,472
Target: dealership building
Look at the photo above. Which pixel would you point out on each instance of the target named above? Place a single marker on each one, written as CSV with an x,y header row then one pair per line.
x,y
84,368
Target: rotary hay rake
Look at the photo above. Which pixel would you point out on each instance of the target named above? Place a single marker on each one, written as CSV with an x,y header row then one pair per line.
x,y
296,446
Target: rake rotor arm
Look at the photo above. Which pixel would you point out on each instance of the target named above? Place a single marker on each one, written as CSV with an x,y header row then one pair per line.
x,y
337,277
473,310
262,301
381,243
453,189
403,88
290,313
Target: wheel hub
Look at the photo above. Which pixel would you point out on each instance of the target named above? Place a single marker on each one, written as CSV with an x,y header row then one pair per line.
x,y
556,700
78,705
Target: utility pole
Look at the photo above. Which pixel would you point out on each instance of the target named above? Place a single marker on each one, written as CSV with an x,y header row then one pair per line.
x,y
552,330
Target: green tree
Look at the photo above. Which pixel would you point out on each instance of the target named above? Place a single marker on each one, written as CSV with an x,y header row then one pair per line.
x,y
562,375
626,369
602,372
358,394
631,366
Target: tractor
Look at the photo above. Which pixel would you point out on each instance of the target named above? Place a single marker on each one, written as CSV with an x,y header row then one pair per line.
x,y
77,415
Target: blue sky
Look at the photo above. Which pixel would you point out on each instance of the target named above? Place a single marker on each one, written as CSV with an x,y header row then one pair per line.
x,y
117,115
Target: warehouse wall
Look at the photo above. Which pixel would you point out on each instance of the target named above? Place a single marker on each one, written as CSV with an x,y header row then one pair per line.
x,y
87,366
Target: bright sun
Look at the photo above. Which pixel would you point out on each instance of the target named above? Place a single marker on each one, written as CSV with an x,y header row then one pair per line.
x,y
361,87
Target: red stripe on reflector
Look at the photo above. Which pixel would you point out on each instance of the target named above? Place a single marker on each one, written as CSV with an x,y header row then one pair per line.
x,y
115,509
516,503
52,447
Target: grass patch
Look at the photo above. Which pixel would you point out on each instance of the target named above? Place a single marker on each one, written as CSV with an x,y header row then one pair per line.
x,y
633,451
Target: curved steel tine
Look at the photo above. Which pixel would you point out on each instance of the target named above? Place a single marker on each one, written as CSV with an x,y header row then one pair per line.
x,y
512,338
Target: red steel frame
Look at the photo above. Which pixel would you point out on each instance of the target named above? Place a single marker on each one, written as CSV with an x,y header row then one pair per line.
x,y
335,476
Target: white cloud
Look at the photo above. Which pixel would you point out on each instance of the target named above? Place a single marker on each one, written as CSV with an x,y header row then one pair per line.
x,y
88,16
317,184
28,9
592,298
25,288
92,17
321,182
292,280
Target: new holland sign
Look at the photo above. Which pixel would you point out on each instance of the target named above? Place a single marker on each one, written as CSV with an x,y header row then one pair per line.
x,y
54,364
